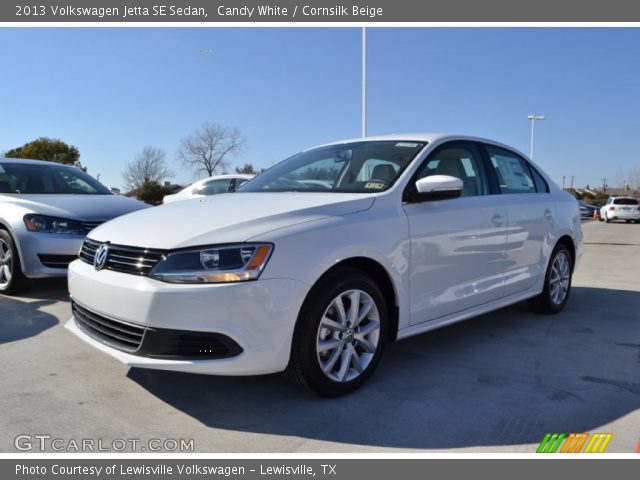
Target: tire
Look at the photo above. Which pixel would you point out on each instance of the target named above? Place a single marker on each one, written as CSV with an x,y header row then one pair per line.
x,y
333,372
557,288
12,280
607,219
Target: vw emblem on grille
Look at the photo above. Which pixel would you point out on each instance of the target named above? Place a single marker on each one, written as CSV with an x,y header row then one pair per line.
x,y
102,254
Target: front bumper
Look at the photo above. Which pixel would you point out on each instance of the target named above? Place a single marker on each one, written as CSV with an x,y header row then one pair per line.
x,y
35,246
259,316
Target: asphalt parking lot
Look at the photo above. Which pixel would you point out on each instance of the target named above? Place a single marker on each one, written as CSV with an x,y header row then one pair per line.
x,y
496,383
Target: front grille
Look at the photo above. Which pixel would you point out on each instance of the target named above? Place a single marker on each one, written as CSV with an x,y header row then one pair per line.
x,y
56,261
88,226
121,335
132,260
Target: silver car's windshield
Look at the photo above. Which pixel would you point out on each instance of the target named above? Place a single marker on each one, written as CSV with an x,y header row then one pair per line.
x,y
360,167
38,178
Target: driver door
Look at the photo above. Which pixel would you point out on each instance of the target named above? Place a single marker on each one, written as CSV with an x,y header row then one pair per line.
x,y
457,246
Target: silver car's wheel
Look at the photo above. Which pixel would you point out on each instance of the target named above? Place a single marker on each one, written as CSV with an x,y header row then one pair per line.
x,y
348,336
6,264
560,277
12,280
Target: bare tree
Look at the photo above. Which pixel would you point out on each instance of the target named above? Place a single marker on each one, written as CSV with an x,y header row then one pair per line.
x,y
634,178
210,147
148,166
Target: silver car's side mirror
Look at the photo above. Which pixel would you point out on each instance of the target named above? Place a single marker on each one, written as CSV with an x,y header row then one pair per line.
x,y
438,187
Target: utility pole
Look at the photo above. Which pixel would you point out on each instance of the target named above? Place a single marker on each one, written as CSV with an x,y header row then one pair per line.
x,y
533,119
364,81
563,177
572,177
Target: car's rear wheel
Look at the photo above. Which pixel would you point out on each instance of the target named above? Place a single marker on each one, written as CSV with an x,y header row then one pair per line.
x,y
12,280
557,284
340,334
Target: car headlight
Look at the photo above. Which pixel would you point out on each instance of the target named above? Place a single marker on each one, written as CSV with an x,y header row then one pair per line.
x,y
47,224
215,264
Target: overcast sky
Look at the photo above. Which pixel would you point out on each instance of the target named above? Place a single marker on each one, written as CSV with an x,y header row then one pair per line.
x,y
111,91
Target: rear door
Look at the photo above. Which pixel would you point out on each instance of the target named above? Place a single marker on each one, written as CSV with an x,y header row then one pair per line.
x,y
530,218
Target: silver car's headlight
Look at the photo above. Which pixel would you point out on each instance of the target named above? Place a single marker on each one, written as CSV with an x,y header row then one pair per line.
x,y
215,264
47,224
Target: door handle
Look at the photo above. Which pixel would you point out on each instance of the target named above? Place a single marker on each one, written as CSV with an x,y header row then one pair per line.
x,y
548,215
497,220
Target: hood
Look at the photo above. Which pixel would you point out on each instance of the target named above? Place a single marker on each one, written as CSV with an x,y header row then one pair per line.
x,y
226,218
76,207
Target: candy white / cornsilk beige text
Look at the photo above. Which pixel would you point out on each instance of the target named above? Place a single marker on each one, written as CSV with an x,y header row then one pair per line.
x,y
304,10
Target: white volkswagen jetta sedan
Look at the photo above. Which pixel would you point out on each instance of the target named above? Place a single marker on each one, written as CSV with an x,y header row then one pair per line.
x,y
325,258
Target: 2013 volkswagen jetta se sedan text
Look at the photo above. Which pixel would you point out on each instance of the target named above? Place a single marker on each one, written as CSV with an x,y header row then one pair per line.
x,y
322,260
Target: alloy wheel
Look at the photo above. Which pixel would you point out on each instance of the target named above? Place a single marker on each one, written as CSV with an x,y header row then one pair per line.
x,y
5,264
348,336
560,278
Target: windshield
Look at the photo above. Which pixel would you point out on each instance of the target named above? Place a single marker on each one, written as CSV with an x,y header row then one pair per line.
x,y
38,178
360,167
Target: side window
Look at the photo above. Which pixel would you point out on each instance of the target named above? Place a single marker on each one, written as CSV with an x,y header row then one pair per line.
x,y
459,160
541,184
514,175
214,186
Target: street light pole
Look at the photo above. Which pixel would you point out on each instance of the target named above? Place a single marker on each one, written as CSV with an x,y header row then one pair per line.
x,y
364,81
533,119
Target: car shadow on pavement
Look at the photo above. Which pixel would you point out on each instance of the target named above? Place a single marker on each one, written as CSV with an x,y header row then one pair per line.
x,y
55,289
19,320
505,378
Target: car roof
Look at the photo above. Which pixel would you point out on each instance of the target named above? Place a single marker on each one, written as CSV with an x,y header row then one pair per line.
x,y
227,175
30,161
422,137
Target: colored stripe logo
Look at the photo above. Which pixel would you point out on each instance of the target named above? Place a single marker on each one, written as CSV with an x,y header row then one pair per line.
x,y
574,442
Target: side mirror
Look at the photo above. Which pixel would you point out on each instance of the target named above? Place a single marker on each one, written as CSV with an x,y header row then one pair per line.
x,y
438,187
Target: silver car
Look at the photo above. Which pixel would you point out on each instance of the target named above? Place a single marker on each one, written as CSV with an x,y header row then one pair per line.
x,y
46,210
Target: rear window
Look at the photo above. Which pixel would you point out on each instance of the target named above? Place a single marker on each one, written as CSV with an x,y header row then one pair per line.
x,y
625,201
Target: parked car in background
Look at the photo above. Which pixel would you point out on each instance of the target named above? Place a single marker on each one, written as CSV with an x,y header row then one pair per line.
x,y
620,208
209,186
46,209
320,261
587,210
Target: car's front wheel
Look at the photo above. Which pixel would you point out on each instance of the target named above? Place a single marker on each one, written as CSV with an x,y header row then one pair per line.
x,y
340,334
557,283
12,279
